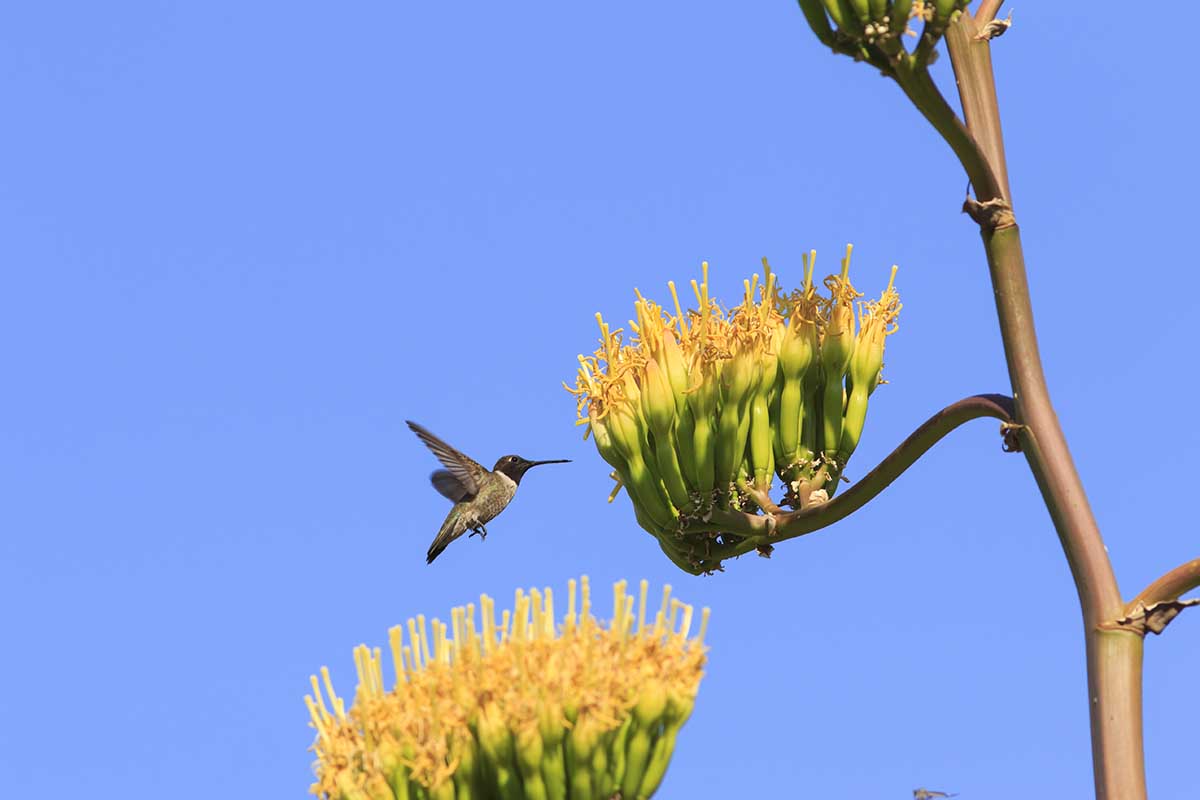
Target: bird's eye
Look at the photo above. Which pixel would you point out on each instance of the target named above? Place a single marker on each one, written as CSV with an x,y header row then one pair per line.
x,y
513,459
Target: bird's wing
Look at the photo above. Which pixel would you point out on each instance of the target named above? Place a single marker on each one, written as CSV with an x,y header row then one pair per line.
x,y
462,469
449,486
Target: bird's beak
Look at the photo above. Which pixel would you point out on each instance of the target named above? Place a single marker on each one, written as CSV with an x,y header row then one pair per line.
x,y
551,461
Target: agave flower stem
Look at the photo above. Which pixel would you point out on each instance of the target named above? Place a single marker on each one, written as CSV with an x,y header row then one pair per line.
x,y
1170,586
799,523
1114,656
760,497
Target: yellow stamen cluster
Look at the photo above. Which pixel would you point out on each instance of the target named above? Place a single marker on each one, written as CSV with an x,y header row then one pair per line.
x,y
702,408
519,708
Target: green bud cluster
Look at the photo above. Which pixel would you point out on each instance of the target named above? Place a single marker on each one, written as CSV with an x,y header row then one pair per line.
x,y
871,30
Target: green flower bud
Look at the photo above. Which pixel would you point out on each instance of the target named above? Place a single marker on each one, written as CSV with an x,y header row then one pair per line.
x,y
837,347
658,401
944,9
901,12
676,369
877,323
530,754
651,704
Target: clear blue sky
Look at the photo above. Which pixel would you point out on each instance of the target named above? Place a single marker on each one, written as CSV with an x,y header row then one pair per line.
x,y
242,243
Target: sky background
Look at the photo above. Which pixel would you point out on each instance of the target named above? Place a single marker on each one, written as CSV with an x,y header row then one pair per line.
x,y
241,243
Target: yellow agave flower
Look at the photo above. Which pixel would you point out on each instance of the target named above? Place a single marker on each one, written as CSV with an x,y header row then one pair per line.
x,y
516,709
703,408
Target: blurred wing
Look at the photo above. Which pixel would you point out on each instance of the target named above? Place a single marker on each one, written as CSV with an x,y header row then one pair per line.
x,y
449,486
464,470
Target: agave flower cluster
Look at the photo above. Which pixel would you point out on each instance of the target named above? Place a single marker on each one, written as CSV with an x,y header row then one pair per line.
x,y
704,408
870,30
516,709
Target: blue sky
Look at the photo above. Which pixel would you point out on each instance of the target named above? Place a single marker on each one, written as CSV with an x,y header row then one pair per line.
x,y
241,243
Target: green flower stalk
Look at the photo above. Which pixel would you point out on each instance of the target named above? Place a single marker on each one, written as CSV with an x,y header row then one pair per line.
x,y
520,710
705,409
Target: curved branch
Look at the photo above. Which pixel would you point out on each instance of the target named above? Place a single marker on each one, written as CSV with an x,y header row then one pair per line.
x,y
766,529
925,95
798,523
1169,587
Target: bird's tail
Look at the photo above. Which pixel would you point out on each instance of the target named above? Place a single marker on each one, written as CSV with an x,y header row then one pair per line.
x,y
452,528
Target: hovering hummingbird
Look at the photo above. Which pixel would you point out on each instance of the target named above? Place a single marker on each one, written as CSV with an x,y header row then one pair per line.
x,y
479,495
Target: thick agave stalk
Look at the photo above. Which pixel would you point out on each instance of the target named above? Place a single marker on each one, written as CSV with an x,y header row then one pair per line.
x,y
520,709
703,409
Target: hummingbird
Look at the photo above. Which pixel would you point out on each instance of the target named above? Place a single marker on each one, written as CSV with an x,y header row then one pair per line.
x,y
479,495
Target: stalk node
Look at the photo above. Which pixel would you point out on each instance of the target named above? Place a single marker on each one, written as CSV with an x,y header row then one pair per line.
x,y
1010,432
992,215
1153,618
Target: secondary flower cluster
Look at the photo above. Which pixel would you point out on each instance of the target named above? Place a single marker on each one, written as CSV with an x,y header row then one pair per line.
x,y
515,709
875,26
703,408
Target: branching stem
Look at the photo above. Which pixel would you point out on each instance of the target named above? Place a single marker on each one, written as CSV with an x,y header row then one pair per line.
x,y
1113,630
1114,656
798,523
1171,586
925,95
